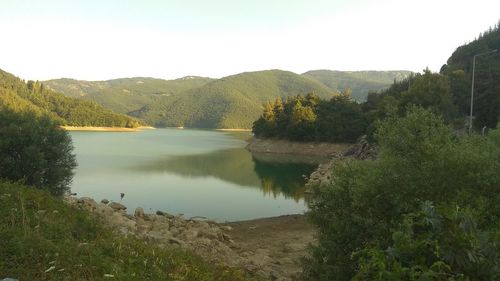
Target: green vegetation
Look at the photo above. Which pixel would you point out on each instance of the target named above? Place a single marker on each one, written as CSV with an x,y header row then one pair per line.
x,y
377,220
126,94
312,119
230,102
44,239
360,82
32,96
35,151
486,81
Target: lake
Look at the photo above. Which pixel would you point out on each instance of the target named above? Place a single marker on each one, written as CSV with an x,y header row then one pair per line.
x,y
191,172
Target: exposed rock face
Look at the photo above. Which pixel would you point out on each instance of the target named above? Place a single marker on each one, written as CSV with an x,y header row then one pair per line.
x,y
362,150
208,239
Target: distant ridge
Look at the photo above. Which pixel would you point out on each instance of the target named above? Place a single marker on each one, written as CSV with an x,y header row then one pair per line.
x,y
230,102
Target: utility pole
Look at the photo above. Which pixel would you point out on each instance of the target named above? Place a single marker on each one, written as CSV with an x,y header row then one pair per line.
x,y
472,88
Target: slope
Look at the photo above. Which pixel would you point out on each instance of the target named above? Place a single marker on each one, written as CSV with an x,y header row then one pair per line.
x,y
360,82
125,94
33,96
486,81
230,102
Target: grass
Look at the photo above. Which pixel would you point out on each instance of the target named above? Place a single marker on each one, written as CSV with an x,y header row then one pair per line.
x,y
41,238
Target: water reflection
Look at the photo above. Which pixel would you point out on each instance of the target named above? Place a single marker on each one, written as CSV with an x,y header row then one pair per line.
x,y
274,175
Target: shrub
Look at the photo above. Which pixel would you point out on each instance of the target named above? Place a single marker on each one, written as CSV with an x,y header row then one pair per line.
x,y
420,160
35,151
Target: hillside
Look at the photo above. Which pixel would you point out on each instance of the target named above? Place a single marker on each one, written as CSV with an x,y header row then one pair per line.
x,y
32,96
125,94
230,102
360,82
487,78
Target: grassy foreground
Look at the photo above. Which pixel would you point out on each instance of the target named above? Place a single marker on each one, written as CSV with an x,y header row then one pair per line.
x,y
41,238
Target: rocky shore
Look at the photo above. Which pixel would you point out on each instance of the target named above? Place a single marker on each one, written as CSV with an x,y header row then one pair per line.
x,y
274,146
268,248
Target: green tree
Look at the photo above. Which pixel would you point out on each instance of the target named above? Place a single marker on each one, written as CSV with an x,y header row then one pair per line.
x,y
35,151
420,160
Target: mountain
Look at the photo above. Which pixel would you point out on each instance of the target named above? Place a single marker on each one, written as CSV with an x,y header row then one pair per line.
x,y
360,82
230,102
486,80
17,95
125,94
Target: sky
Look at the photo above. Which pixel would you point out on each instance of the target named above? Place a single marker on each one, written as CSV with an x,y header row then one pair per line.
x,y
100,40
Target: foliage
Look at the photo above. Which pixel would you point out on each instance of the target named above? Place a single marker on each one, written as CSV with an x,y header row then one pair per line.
x,y
486,79
126,94
35,151
35,97
434,244
420,160
44,239
310,118
230,102
360,82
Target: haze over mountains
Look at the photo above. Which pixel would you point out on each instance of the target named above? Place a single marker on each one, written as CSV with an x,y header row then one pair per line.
x,y
230,102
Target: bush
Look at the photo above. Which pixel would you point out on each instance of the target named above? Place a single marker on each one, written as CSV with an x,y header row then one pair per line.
x,y
434,244
35,151
420,160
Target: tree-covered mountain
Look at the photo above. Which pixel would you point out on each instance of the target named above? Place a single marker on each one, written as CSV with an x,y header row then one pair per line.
x,y
486,81
20,96
230,102
125,94
360,82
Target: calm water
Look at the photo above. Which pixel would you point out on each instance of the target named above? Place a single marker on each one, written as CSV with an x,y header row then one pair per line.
x,y
190,172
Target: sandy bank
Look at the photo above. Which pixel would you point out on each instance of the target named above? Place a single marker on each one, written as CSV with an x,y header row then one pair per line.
x,y
105,129
322,149
234,130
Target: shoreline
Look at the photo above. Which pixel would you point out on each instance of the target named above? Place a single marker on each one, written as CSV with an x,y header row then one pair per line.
x,y
234,130
106,129
270,248
277,146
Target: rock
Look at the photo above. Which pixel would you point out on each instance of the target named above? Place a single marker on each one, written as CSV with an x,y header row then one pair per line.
x,y
139,212
105,201
176,241
226,228
117,206
189,235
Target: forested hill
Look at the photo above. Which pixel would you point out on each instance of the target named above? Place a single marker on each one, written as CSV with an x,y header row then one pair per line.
x,y
487,77
17,95
360,82
125,94
230,102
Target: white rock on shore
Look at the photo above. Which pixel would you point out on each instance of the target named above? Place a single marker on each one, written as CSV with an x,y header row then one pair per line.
x,y
208,239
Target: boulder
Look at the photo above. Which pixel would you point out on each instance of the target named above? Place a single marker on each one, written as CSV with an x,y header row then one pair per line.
x,y
117,206
139,212
105,201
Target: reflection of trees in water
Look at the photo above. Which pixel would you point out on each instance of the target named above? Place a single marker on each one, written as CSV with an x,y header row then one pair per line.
x,y
283,178
273,175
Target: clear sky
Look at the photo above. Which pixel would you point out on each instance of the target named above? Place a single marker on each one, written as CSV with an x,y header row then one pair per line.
x,y
99,39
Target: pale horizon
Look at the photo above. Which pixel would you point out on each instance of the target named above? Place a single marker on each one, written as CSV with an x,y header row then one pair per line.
x,y
103,40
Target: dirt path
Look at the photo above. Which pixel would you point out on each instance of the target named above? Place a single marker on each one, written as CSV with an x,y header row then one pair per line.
x,y
273,245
